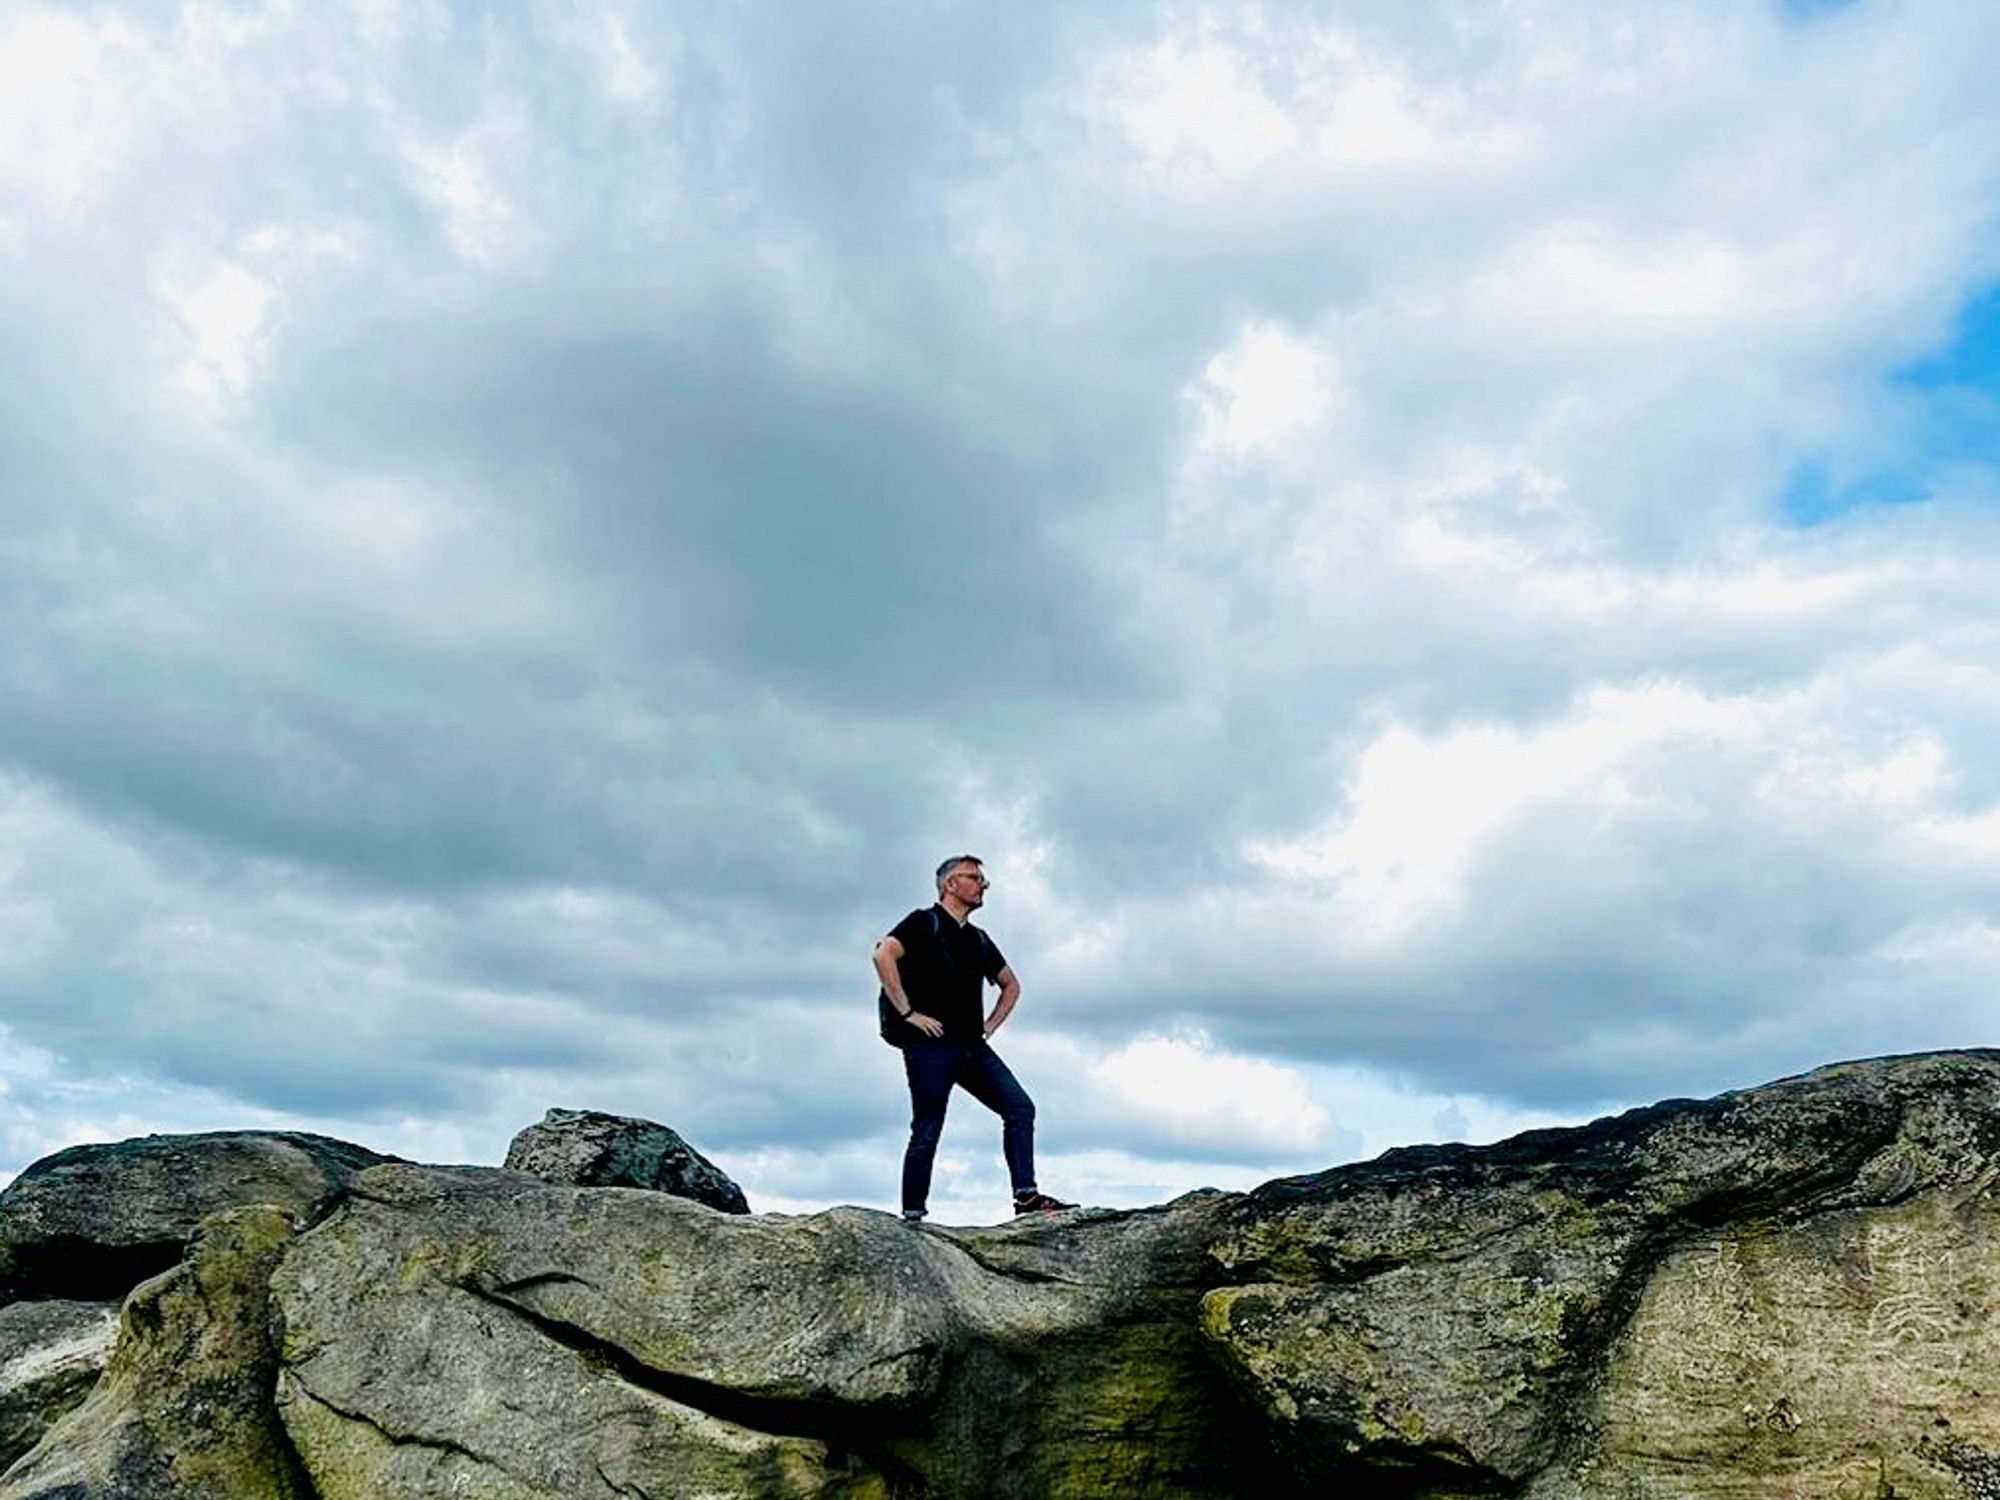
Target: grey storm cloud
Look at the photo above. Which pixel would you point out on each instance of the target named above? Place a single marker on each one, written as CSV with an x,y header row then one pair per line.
x,y
526,535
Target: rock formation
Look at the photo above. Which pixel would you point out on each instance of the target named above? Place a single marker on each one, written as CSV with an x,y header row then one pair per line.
x,y
687,1352
588,1149
184,1406
1785,1292
94,1221
51,1353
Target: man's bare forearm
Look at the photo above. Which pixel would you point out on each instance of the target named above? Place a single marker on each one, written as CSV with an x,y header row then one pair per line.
x,y
892,979
1010,991
886,953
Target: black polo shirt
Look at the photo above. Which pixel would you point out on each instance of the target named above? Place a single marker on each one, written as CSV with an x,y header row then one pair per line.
x,y
943,967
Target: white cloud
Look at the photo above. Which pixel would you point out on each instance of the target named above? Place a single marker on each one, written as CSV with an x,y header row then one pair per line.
x,y
462,180
1264,388
1221,100
1197,99
630,76
1190,1092
1421,810
222,309
63,120
1573,277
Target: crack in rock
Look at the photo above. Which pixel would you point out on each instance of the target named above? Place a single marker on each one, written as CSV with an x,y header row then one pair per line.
x,y
404,1440
619,1487
775,1416
540,1278
828,1423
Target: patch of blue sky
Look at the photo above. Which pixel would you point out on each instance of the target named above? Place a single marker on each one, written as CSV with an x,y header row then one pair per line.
x,y
1950,416
1973,357
1816,494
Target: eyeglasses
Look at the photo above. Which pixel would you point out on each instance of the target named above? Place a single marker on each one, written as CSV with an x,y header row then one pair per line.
x,y
970,875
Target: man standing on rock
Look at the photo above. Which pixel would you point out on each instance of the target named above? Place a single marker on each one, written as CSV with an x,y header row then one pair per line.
x,y
933,967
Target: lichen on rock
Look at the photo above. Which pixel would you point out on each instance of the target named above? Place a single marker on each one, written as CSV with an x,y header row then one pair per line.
x,y
183,1410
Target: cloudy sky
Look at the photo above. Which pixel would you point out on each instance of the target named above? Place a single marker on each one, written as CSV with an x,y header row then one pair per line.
x,y
1447,555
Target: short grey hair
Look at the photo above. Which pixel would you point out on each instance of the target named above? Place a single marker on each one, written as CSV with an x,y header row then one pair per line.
x,y
953,863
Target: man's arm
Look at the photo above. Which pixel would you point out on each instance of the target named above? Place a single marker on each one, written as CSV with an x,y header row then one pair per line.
x,y
1010,991
887,952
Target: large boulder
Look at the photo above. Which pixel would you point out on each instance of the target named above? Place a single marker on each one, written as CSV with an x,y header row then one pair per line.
x,y
584,1148
184,1409
646,1345
51,1354
92,1222
1784,1292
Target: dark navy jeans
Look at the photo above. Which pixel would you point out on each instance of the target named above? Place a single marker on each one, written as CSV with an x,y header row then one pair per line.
x,y
933,1068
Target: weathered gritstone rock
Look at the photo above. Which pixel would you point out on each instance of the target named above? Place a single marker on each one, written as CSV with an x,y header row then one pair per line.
x,y
183,1411
1791,1293
51,1354
1782,1292
92,1222
583,1148
668,1349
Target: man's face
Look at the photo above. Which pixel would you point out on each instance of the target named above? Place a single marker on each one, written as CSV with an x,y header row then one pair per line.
x,y
968,883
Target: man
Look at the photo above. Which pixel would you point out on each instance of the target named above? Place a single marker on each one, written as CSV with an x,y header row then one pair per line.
x,y
933,968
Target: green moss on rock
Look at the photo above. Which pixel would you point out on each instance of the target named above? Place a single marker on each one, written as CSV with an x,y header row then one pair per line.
x,y
183,1411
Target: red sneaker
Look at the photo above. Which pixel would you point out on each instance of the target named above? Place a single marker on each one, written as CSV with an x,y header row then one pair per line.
x,y
1040,1203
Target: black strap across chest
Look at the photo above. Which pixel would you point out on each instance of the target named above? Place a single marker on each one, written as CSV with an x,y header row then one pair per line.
x,y
945,944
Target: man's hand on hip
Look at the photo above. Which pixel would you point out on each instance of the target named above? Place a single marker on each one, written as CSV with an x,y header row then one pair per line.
x,y
928,1025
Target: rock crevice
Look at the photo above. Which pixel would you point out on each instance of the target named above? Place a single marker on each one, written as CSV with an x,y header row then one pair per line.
x,y
774,1416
